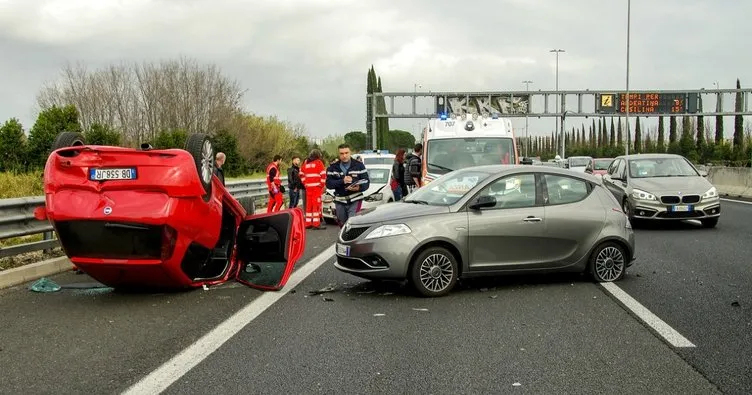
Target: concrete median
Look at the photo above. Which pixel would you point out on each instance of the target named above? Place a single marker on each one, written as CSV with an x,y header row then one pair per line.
x,y
732,181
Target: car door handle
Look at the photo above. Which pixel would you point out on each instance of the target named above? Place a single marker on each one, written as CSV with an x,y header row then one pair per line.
x,y
532,219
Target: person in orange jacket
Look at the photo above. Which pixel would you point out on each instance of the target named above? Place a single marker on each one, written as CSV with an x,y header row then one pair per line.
x,y
274,185
313,175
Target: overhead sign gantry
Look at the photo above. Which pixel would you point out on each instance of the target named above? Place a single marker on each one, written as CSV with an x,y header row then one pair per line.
x,y
586,103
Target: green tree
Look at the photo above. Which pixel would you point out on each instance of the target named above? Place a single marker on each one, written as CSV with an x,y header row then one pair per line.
x,y
700,138
356,139
612,137
738,148
99,134
170,139
687,143
637,136
661,143
48,125
226,143
12,146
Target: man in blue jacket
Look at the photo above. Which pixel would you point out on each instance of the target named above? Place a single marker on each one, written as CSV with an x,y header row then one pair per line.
x,y
348,178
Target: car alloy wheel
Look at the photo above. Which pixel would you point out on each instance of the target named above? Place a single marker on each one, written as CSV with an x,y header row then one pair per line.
x,y
207,156
434,272
608,263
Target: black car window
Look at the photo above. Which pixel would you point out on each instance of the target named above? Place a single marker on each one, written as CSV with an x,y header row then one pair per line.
x,y
514,191
562,189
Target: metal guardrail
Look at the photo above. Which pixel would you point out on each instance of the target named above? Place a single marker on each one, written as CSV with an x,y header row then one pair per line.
x,y
17,218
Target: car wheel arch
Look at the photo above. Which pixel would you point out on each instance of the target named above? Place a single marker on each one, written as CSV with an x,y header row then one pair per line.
x,y
437,242
613,239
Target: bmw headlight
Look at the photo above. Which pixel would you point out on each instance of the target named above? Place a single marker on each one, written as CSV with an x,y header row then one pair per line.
x,y
376,197
388,230
710,194
642,195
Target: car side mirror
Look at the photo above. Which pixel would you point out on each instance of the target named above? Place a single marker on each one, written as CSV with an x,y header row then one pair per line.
x,y
482,201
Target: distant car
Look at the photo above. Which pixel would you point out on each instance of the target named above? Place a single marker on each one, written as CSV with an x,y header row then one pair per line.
x,y
161,218
582,164
600,165
378,192
375,157
662,187
490,220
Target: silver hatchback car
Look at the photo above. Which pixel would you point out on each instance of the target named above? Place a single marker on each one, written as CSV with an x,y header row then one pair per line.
x,y
491,220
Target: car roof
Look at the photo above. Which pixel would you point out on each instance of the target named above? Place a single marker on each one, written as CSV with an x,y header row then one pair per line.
x,y
498,170
650,156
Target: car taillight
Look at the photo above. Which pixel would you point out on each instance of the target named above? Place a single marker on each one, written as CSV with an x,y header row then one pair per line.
x,y
169,237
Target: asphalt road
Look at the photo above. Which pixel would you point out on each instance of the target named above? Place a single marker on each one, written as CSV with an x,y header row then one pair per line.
x,y
699,281
548,334
97,341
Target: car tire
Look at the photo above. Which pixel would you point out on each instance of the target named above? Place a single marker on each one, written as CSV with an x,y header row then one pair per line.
x,y
439,264
608,263
248,203
709,222
68,139
200,147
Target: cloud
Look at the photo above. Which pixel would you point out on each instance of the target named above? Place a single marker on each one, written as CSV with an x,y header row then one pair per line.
x,y
306,60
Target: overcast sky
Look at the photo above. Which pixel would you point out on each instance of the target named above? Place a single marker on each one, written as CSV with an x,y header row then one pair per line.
x,y
306,60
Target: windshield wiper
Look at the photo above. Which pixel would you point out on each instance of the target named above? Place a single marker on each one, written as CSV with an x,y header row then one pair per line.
x,y
440,167
416,201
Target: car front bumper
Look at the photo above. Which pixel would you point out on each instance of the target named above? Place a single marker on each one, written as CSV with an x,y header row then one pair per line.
x,y
658,210
380,258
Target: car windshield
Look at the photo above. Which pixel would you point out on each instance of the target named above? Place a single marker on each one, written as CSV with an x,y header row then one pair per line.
x,y
445,155
579,162
378,176
447,189
602,164
661,167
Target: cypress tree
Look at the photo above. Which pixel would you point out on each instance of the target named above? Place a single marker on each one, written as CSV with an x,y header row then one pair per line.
x,y
661,136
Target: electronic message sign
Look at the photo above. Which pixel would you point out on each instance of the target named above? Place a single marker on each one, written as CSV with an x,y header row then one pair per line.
x,y
643,103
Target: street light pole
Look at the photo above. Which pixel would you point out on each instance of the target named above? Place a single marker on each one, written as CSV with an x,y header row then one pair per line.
x,y
561,133
626,146
527,140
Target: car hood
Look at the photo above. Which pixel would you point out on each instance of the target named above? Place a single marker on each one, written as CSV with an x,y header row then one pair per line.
x,y
395,212
672,185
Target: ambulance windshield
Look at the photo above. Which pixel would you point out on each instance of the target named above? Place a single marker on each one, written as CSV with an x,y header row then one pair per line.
x,y
445,155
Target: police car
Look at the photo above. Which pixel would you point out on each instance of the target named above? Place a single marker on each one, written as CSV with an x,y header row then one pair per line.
x,y
378,192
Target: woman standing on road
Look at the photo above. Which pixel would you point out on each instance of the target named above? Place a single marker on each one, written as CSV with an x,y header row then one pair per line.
x,y
397,182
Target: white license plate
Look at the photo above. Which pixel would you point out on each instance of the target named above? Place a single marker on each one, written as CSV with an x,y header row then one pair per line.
x,y
343,250
128,173
680,208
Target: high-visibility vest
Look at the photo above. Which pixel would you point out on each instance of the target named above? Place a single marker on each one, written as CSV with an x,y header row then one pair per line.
x,y
277,180
313,174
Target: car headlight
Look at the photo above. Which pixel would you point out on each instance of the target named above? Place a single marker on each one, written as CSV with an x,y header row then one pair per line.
x,y
375,197
642,195
388,230
711,193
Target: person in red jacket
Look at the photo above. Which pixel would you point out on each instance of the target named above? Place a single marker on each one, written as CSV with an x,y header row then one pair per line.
x,y
313,175
274,185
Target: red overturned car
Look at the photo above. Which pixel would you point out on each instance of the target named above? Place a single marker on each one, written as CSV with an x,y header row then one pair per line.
x,y
161,218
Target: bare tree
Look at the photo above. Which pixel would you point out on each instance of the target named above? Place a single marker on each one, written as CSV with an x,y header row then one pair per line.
x,y
142,100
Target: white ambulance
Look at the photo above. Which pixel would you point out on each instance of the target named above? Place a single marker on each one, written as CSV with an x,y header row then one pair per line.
x,y
460,141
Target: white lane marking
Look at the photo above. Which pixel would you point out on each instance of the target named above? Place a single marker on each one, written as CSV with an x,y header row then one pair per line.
x,y
736,201
667,332
161,378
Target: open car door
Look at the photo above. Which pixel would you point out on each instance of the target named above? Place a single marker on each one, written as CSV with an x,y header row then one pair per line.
x,y
269,245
